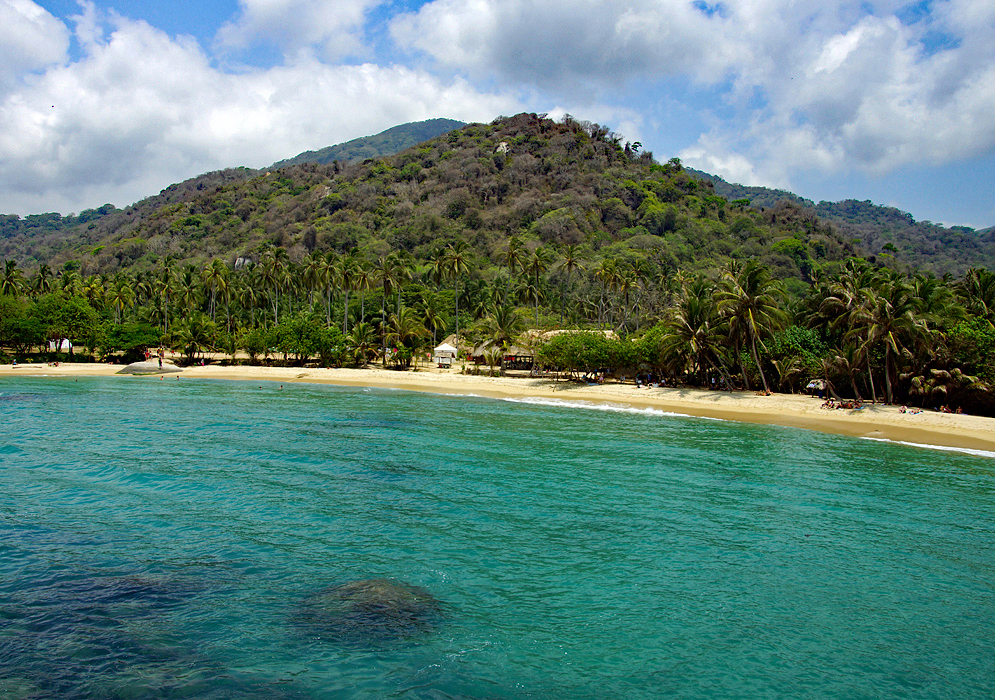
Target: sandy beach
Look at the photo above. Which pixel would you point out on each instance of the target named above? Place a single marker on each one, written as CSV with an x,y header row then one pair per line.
x,y
794,410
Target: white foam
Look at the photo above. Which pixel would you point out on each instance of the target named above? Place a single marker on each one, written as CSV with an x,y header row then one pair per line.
x,y
592,406
941,448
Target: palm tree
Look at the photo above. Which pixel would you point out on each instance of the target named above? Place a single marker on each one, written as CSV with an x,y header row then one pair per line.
x,y
345,273
164,285
72,283
406,329
457,257
121,294
93,291
504,325
607,272
363,341
978,288
312,269
513,257
888,317
214,277
189,289
274,277
194,333
388,273
329,279
431,309
41,283
694,333
12,282
572,255
626,283
537,263
752,300
362,280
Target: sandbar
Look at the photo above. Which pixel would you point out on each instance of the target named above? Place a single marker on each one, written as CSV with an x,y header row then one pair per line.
x,y
878,421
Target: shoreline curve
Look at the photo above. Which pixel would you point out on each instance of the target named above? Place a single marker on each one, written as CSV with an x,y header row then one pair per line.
x,y
790,410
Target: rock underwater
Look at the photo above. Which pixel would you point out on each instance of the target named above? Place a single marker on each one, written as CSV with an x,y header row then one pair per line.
x,y
371,610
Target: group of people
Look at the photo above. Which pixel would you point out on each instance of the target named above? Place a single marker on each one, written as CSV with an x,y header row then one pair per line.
x,y
649,382
851,404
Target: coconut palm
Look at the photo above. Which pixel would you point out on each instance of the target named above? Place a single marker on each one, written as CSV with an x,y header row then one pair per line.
x,y
363,342
42,282
194,334
694,333
407,329
536,264
121,295
887,317
214,277
503,325
431,310
12,282
457,258
978,289
72,283
751,300
93,291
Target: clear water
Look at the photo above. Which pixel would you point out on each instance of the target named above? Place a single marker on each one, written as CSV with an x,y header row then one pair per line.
x,y
161,539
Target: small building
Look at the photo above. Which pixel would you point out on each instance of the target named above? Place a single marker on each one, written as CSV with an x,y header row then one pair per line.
x,y
444,355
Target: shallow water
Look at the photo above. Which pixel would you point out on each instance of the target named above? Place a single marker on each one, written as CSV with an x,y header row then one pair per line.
x,y
162,539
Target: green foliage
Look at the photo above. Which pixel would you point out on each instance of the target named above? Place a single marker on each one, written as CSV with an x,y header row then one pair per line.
x,y
973,346
584,351
131,339
62,315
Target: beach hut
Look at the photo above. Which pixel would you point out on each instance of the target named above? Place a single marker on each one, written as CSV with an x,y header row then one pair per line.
x,y
816,386
444,355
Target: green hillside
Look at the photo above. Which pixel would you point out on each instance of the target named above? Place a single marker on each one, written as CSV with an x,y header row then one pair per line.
x,y
389,142
884,233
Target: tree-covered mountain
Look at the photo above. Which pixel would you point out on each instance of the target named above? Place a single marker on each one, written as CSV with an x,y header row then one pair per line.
x,y
884,233
492,229
386,143
555,184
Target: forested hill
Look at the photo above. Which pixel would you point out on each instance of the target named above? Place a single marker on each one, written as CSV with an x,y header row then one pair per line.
x,y
386,143
884,233
549,183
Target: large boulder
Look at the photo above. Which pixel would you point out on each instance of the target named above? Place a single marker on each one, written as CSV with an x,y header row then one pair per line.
x,y
150,367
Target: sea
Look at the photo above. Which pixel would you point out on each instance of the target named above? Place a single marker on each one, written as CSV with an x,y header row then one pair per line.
x,y
220,539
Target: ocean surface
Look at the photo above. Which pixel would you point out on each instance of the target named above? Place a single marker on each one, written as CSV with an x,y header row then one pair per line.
x,y
203,539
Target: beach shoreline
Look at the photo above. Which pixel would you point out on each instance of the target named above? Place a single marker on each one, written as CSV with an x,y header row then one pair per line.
x,y
965,432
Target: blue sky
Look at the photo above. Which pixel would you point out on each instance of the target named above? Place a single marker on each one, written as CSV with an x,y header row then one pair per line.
x,y
113,100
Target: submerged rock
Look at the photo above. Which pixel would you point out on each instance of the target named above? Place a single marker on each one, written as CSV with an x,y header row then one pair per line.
x,y
371,610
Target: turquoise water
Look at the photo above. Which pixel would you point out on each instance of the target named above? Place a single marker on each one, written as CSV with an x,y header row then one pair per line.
x,y
169,539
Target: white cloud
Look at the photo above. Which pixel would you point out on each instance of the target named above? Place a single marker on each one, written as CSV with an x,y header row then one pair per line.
x,y
808,84
30,39
567,44
141,110
296,26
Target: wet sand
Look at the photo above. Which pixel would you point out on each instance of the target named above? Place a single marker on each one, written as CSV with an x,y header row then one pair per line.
x,y
794,410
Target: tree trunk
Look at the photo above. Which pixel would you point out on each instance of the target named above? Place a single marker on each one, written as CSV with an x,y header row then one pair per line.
x,y
756,359
887,374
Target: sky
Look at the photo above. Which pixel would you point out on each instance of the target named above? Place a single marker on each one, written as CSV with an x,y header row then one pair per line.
x,y
883,100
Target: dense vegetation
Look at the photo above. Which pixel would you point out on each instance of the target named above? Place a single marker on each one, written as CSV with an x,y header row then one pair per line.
x,y
386,143
490,231
883,233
